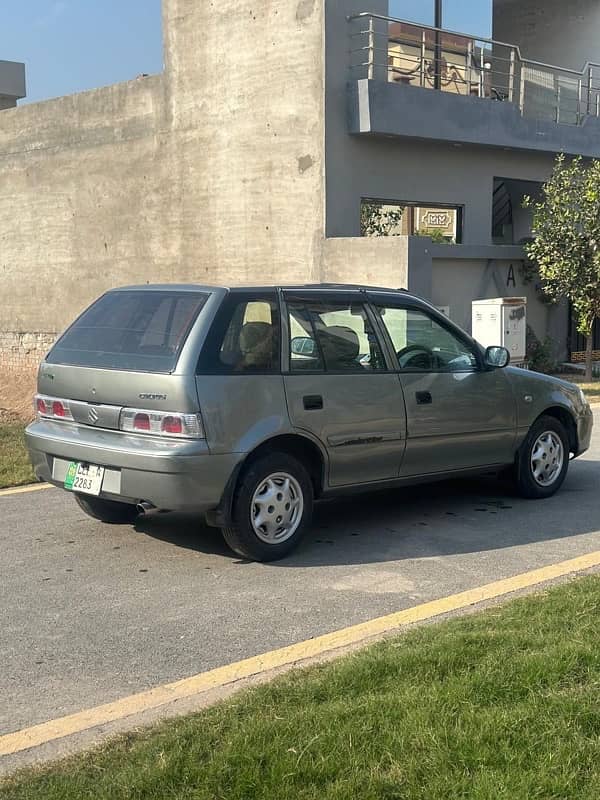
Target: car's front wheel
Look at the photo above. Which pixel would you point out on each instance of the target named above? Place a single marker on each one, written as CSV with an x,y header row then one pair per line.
x,y
272,508
107,510
543,460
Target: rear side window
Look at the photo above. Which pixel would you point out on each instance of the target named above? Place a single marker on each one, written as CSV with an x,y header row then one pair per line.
x,y
131,330
334,336
244,337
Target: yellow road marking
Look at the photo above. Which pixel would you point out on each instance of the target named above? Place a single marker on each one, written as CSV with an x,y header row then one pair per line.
x,y
285,656
36,487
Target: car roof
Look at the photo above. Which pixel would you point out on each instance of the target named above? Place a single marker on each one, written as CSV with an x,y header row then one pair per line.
x,y
339,288
193,287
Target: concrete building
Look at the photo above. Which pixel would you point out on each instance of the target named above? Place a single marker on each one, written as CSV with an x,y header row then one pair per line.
x,y
257,162
12,83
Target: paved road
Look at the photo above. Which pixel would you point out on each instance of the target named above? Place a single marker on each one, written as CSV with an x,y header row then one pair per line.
x,y
90,613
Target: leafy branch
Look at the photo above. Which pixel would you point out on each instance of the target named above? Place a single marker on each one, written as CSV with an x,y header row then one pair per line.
x,y
566,244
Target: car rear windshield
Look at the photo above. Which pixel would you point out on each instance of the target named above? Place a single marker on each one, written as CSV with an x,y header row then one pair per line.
x,y
130,330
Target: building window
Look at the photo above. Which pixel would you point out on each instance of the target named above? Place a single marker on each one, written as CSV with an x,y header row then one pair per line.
x,y
386,218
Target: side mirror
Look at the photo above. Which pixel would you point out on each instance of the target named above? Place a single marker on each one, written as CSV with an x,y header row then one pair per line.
x,y
303,346
497,357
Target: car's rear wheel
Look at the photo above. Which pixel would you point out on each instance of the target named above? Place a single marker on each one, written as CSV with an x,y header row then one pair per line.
x,y
272,508
108,511
543,460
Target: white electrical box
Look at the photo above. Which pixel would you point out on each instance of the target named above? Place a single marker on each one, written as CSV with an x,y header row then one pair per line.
x,y
502,321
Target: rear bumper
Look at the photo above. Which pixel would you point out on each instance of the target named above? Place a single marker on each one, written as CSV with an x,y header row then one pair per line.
x,y
585,424
179,475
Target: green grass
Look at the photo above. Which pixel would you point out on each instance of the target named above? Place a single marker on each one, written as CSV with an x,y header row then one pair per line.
x,y
15,468
501,705
592,390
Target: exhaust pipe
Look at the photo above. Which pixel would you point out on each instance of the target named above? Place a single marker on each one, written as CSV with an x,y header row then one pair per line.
x,y
144,506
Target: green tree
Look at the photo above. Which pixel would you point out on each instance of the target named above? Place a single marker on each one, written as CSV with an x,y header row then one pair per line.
x,y
435,234
377,219
566,244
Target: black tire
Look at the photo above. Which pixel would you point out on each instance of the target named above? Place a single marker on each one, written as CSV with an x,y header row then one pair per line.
x,y
525,481
109,511
241,535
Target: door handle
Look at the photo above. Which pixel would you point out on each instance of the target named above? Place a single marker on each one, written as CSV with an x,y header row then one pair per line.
x,y
423,398
313,402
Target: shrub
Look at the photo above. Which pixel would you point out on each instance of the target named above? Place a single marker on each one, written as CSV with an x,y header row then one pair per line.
x,y
540,354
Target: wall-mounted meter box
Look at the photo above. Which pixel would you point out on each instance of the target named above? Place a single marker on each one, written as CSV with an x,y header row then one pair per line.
x,y
502,321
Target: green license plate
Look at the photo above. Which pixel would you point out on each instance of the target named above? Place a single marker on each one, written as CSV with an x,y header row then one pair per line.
x,y
84,478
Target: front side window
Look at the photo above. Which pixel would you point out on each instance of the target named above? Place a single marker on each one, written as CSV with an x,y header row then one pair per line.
x,y
336,336
423,345
244,337
130,330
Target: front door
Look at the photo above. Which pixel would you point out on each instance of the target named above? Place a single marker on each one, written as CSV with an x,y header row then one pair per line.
x,y
460,415
339,388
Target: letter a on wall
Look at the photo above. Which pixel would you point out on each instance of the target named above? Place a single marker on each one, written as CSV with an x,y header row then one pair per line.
x,y
510,280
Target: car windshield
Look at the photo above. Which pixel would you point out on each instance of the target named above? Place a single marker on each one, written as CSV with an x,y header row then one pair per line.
x,y
130,330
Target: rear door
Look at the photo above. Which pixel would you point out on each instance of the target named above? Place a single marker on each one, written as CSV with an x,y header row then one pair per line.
x,y
339,386
239,381
460,415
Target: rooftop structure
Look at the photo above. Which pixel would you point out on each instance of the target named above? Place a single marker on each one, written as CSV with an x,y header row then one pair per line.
x,y
12,83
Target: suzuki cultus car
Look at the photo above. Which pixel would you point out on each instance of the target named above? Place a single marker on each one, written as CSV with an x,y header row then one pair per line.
x,y
245,405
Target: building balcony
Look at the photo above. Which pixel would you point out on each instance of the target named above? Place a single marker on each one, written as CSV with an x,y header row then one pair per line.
x,y
422,82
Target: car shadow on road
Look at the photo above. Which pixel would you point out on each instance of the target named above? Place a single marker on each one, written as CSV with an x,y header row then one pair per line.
x,y
454,517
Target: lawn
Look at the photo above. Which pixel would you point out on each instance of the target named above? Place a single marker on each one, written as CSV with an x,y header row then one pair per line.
x,y
499,705
15,468
592,390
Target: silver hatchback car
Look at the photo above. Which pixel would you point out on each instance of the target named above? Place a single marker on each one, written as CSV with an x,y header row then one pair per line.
x,y
247,404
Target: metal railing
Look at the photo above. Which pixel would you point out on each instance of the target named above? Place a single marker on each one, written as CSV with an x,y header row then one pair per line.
x,y
385,48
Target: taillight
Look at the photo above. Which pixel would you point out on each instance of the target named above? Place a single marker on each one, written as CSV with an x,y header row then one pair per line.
x,y
52,408
141,422
58,409
172,425
161,423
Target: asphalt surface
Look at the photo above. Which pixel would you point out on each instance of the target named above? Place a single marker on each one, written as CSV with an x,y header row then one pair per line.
x,y
91,613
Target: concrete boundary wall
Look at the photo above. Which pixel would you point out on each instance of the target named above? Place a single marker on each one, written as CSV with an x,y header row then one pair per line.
x,y
75,213
374,262
23,351
211,172
461,274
